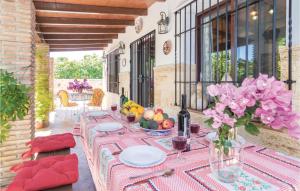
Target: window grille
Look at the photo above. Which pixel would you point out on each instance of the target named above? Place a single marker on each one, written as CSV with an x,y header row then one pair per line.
x,y
219,41
113,68
142,60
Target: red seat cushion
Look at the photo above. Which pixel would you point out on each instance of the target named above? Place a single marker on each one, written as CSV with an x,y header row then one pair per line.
x,y
50,143
49,172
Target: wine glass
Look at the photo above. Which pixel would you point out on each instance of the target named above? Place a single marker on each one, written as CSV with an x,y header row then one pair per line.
x,y
179,143
114,108
131,119
195,128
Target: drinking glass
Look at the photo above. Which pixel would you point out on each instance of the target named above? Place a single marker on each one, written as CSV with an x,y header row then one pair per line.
x,y
195,128
131,119
114,107
179,143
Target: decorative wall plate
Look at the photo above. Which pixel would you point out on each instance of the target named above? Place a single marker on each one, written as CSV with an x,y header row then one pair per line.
x,y
167,47
138,25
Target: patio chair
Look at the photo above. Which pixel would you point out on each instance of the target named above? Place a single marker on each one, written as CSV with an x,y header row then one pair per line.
x,y
65,103
97,98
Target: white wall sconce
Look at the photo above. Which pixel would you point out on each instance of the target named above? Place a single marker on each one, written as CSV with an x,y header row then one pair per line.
x,y
163,23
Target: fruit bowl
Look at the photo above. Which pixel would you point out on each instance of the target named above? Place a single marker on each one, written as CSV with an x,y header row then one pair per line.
x,y
156,121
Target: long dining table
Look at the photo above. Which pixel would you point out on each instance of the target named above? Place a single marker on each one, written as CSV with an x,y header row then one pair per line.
x,y
263,169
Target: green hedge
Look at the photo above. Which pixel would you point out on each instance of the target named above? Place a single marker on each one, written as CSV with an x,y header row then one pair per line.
x,y
89,67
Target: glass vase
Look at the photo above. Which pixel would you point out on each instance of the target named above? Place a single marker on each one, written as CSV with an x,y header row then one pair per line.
x,y
226,165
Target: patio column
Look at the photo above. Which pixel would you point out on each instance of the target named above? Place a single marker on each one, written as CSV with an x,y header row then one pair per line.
x,y
296,53
17,19
43,97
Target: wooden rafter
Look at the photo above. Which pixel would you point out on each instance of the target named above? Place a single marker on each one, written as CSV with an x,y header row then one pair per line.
x,y
85,24
88,8
80,36
48,30
61,46
74,49
80,21
78,41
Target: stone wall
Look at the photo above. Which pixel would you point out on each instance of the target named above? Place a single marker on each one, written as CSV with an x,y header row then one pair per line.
x,y
296,77
164,85
17,55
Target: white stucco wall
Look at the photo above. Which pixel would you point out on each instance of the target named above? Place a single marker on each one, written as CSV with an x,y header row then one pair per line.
x,y
150,24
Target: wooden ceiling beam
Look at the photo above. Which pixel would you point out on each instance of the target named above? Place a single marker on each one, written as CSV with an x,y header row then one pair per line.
x,y
51,6
74,49
60,46
50,30
80,36
80,21
53,41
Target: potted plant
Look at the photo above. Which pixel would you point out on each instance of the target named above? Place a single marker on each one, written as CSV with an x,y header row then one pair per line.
x,y
14,102
265,100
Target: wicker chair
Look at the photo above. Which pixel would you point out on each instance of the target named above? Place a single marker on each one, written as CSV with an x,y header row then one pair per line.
x,y
65,103
97,98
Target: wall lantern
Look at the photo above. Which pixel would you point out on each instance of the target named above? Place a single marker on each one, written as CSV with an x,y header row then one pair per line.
x,y
103,55
121,47
163,23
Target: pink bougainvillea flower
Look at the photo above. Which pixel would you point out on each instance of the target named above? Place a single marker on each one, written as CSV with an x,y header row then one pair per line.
x,y
213,90
284,98
263,82
266,117
220,107
268,105
271,99
217,124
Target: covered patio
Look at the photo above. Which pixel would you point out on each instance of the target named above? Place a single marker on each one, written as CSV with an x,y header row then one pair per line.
x,y
218,78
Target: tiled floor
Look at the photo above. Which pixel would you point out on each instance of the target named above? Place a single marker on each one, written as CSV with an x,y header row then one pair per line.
x,y
62,122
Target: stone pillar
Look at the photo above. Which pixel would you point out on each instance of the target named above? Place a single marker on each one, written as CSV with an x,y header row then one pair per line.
x,y
296,77
51,81
17,18
43,97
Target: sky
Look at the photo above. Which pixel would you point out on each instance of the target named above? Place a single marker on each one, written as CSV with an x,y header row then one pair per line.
x,y
74,55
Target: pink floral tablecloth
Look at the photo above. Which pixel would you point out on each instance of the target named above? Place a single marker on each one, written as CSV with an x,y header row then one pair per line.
x,y
264,169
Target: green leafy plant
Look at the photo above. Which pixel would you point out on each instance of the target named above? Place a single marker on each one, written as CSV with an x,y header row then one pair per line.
x,y
43,98
14,102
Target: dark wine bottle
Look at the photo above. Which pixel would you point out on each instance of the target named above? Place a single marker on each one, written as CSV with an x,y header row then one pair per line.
x,y
122,98
184,122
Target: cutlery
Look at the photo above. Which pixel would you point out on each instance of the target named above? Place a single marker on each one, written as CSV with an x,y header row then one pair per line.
x,y
249,147
164,172
116,153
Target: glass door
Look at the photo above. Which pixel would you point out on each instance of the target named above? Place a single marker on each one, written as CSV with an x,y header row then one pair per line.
x,y
142,59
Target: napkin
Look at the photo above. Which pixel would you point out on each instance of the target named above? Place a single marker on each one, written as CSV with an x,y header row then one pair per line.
x,y
92,135
105,156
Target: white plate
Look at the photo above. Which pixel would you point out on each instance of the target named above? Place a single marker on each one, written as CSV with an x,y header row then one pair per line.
x,y
97,113
108,126
213,136
142,156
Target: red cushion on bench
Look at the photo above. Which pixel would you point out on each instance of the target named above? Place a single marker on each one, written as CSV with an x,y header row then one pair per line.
x,y
50,143
49,172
